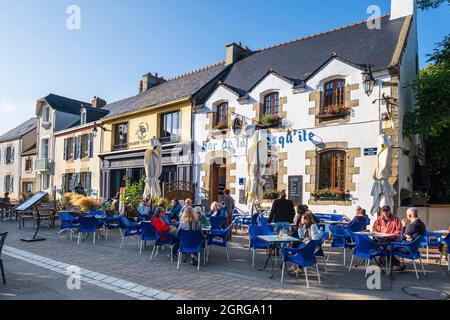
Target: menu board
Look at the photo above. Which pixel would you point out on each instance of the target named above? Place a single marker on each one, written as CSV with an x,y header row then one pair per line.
x,y
242,198
295,191
30,202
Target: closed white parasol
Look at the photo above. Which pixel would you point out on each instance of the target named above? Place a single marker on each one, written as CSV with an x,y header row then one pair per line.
x,y
153,169
256,162
382,192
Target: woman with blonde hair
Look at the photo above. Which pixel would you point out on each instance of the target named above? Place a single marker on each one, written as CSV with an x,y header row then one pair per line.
x,y
188,222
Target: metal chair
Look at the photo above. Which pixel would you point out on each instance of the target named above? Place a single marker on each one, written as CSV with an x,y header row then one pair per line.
x,y
2,242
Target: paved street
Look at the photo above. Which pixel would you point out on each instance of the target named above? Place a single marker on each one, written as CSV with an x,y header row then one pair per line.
x,y
39,271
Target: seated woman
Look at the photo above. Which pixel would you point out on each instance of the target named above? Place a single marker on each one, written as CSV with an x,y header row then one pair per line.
x,y
216,210
189,223
144,208
162,226
307,231
200,217
176,208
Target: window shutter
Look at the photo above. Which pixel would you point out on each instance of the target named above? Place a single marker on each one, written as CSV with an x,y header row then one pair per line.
x,y
88,182
4,184
91,145
12,154
4,154
63,182
74,149
65,150
79,155
11,183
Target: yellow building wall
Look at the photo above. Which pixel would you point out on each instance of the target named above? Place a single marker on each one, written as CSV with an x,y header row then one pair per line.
x,y
149,119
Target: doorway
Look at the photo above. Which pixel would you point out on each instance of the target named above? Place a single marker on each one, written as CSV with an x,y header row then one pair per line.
x,y
218,180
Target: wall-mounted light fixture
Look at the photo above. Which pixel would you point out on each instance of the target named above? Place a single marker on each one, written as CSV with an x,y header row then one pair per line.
x,y
95,130
368,81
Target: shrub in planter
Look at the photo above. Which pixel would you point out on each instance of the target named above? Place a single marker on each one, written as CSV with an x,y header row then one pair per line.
x,y
329,194
222,125
269,119
133,196
270,194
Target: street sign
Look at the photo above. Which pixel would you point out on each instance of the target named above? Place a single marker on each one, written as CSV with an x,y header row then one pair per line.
x,y
370,151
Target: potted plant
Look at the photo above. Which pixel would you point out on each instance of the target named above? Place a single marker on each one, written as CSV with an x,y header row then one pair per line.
x,y
270,195
269,120
222,126
329,194
133,196
405,197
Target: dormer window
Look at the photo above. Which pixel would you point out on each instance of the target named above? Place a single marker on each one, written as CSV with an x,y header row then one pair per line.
x,y
46,114
334,98
83,116
271,104
222,116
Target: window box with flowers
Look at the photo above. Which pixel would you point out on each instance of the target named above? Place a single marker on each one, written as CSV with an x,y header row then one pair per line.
x,y
222,126
330,194
270,120
334,111
270,195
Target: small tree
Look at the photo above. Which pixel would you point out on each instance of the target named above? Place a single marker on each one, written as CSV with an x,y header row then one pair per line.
x,y
133,196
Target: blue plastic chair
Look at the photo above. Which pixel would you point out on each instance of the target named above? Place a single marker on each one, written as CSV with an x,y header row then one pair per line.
x,y
367,249
220,238
254,242
2,242
132,229
87,225
357,226
304,256
340,236
319,250
68,223
93,213
191,241
216,222
412,252
148,233
162,239
431,240
112,223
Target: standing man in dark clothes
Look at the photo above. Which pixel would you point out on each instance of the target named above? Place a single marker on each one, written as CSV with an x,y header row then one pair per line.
x,y
282,212
228,202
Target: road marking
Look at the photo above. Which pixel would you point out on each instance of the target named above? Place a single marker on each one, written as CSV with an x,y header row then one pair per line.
x,y
104,281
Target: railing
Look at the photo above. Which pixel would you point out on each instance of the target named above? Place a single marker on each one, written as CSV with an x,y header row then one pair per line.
x,y
120,146
42,164
170,139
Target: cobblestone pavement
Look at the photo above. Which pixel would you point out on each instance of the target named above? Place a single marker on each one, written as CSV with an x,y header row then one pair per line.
x,y
126,270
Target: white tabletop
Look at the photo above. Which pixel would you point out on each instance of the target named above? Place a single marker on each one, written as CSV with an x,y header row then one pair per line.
x,y
334,222
377,234
442,231
275,238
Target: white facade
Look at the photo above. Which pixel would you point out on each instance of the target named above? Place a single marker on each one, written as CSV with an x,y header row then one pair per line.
x,y
84,168
360,132
46,126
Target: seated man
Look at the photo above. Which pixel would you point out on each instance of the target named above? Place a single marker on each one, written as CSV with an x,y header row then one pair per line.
x,y
388,223
411,231
144,208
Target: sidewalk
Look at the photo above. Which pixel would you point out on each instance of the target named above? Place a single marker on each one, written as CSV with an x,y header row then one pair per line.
x,y
218,279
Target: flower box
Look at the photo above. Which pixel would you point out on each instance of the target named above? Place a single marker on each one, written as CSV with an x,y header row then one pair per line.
x,y
333,115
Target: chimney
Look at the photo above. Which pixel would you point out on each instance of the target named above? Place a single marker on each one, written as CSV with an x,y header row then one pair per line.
x,y
98,103
149,80
234,51
402,8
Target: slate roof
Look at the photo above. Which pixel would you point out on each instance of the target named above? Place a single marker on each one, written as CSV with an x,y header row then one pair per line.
x,y
64,104
31,151
298,59
177,88
19,131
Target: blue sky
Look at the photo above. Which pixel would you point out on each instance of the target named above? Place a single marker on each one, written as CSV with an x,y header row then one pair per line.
x,y
121,40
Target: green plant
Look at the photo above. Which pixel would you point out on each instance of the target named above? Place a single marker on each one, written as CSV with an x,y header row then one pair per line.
x,y
222,125
270,194
269,119
329,193
132,197
405,194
